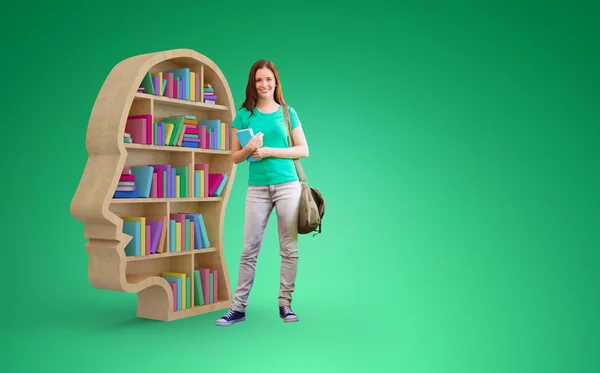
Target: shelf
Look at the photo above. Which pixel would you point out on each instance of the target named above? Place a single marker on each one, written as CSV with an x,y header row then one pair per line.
x,y
176,149
197,310
164,200
169,255
175,102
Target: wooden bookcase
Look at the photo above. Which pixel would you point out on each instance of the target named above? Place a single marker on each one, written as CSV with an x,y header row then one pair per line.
x,y
102,215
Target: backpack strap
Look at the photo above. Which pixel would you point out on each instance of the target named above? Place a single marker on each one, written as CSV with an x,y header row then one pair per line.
x,y
286,115
319,229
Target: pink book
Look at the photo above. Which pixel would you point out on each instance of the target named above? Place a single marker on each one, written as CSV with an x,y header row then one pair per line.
x,y
191,129
205,279
136,127
159,183
180,218
127,177
149,126
197,85
214,180
153,191
227,135
215,285
148,238
174,289
202,136
169,87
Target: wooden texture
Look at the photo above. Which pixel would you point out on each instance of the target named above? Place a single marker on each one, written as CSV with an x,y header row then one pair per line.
x,y
93,204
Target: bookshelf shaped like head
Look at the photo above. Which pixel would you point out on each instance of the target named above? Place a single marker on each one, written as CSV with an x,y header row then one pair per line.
x,y
155,188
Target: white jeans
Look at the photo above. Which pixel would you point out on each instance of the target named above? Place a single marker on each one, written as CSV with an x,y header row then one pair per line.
x,y
260,201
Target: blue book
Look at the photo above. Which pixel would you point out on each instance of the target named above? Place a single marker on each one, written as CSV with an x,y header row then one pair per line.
x,y
172,238
244,136
189,144
215,126
205,241
221,186
184,78
198,241
126,194
176,281
196,184
132,228
143,180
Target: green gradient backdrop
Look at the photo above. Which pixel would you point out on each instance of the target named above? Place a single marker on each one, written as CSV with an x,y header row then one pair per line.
x,y
457,147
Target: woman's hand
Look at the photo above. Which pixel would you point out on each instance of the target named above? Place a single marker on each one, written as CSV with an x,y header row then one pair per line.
x,y
261,153
256,141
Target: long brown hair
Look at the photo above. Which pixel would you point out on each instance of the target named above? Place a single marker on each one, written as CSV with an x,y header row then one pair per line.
x,y
252,95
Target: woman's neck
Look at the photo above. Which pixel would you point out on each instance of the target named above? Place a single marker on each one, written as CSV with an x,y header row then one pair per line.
x,y
266,104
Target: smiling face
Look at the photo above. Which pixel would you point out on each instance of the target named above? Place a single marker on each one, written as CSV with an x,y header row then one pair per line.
x,y
265,83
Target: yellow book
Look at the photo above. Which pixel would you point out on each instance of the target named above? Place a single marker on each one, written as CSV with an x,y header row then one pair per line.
x,y
201,177
160,83
202,184
192,86
190,176
191,236
170,127
183,286
223,129
142,221
159,75
177,186
177,237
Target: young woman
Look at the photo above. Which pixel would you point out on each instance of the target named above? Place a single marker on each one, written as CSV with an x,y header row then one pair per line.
x,y
273,184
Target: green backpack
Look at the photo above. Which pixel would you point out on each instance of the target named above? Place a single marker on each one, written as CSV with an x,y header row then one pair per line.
x,y
312,203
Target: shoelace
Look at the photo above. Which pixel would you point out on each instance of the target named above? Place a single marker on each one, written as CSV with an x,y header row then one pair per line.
x,y
287,309
229,314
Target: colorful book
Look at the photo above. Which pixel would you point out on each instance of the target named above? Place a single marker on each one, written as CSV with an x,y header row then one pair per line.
x,y
244,136
183,302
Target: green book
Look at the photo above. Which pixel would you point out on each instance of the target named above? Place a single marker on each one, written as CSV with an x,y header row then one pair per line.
x,y
182,171
188,228
212,287
177,123
188,297
147,84
198,296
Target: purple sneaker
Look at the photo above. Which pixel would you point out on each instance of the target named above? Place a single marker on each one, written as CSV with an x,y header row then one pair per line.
x,y
231,317
286,313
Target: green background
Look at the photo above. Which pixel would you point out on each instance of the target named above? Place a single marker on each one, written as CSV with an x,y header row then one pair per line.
x,y
456,145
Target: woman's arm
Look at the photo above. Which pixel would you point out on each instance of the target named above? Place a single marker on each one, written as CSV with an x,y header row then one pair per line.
x,y
299,150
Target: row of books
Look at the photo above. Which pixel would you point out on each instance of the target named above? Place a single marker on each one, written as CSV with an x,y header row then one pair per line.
x,y
170,181
182,84
183,130
187,231
206,287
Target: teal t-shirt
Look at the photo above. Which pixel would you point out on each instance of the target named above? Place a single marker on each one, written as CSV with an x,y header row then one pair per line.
x,y
270,170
